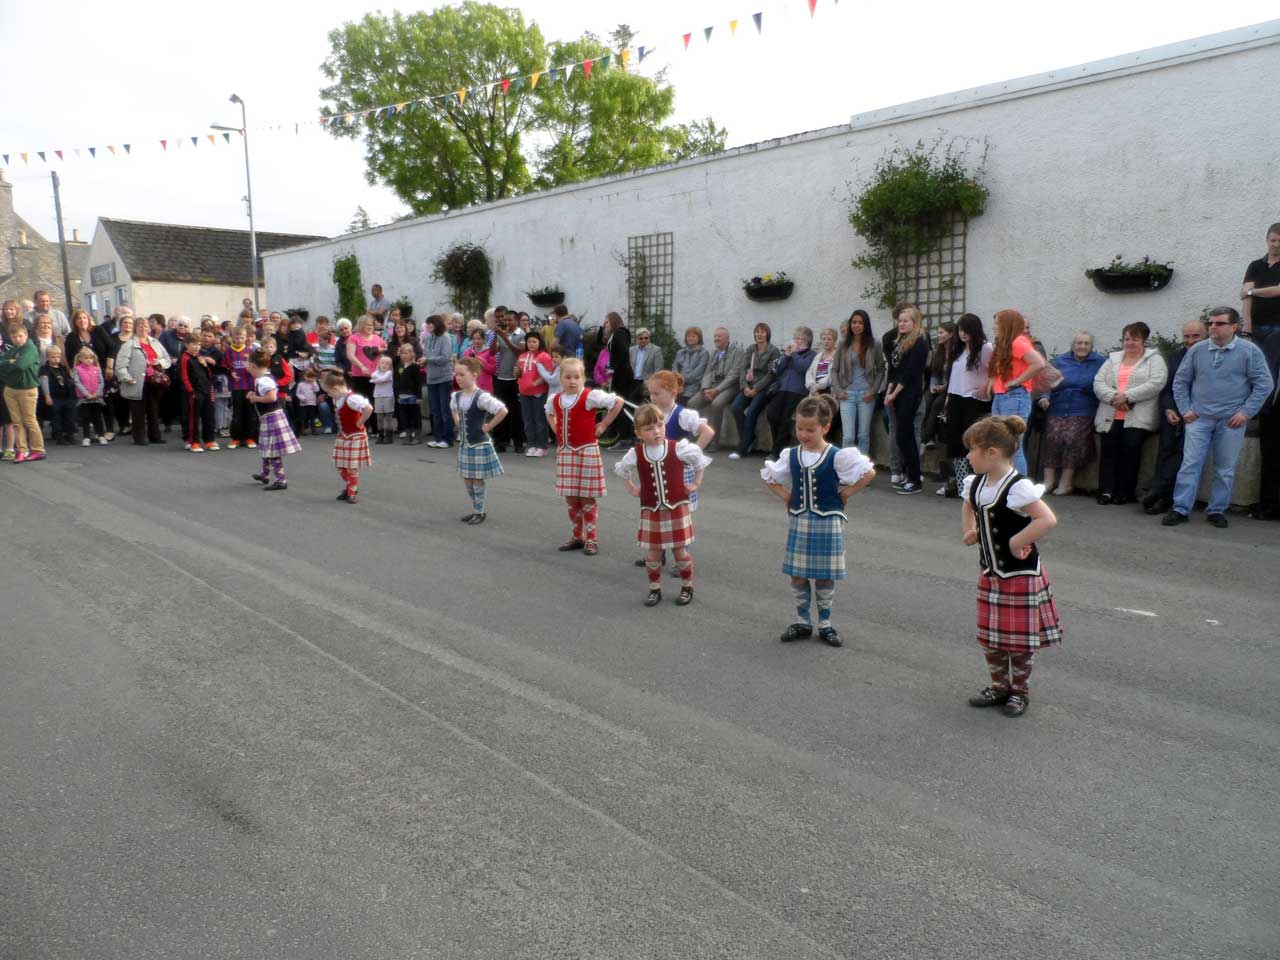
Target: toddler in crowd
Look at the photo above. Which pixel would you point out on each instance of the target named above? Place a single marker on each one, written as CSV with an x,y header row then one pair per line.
x,y
475,413
1004,515
670,471
384,397
88,379
59,392
275,437
351,445
409,379
579,469
816,480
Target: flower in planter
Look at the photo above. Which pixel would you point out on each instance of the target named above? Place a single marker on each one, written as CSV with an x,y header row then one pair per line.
x,y
768,280
1118,265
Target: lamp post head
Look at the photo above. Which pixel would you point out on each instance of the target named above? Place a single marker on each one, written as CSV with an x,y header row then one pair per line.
x,y
235,98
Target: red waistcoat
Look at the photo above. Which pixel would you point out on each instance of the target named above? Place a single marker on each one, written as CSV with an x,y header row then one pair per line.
x,y
349,418
576,427
661,481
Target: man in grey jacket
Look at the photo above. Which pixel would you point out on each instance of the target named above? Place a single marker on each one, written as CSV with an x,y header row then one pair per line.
x,y
721,382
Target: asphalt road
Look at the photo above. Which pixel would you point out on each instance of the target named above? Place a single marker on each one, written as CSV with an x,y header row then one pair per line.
x,y
247,724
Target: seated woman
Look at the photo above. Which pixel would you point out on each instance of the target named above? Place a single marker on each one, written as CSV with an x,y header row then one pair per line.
x,y
691,363
1070,408
1129,385
790,369
758,385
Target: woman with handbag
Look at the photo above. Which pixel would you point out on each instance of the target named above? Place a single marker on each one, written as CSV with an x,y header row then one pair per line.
x,y
1014,367
140,373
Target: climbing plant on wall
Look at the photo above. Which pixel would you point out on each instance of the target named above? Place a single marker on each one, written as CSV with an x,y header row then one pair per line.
x,y
465,269
346,275
913,200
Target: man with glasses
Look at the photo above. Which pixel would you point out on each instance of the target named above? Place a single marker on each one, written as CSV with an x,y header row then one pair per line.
x,y
1221,385
646,360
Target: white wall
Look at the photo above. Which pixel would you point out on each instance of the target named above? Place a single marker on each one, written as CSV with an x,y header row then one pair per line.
x,y
190,299
1157,162
101,252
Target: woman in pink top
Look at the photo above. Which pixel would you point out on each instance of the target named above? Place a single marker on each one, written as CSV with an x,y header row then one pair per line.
x,y
488,357
363,349
1128,387
1014,364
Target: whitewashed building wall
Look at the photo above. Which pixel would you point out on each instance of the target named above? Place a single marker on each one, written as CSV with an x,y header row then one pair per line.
x,y
1151,153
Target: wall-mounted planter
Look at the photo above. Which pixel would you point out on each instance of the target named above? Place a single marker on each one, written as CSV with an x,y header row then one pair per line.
x,y
1112,281
551,298
768,291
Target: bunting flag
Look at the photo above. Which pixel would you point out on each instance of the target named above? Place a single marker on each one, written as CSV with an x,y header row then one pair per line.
x,y
112,149
213,138
226,137
24,158
127,148
813,4
533,80
93,153
462,96
733,28
59,153
706,32
642,54
604,62
506,85
40,154
164,145
6,159
625,57
586,68
686,40
757,17
553,74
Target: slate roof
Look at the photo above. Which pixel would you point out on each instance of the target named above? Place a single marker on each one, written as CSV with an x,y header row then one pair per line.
x,y
173,253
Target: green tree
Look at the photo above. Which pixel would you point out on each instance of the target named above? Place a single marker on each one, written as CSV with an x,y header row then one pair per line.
x,y
447,154
699,138
360,221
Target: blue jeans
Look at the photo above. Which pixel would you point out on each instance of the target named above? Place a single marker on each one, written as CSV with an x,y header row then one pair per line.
x,y
1198,439
441,417
1015,403
746,413
855,418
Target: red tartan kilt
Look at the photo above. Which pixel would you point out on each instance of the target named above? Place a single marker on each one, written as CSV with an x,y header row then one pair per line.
x,y
1017,615
666,529
579,473
351,451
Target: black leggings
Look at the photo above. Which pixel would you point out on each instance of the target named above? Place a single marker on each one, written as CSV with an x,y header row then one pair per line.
x,y
1121,458
91,420
780,412
410,416
904,412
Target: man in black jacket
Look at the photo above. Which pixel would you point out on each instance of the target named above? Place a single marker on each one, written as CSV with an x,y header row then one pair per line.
x,y
1169,458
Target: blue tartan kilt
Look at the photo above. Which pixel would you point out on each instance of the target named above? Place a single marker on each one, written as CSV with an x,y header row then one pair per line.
x,y
275,436
815,547
689,474
478,461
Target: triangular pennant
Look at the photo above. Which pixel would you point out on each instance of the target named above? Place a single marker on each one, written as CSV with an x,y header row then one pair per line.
x,y
213,138
625,56
568,72
533,80
518,83
400,107
24,157
757,17
6,158
603,62
586,68
553,74
706,32
128,147
112,149
93,153
506,85
641,51
733,27
226,137
59,153
686,40
812,6
164,145
462,96
195,141
348,117
40,154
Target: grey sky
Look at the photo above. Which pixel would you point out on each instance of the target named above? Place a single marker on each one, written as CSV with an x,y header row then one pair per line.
x,y
91,73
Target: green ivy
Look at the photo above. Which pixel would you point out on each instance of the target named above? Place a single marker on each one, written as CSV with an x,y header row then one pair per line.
x,y
909,203
346,274
465,269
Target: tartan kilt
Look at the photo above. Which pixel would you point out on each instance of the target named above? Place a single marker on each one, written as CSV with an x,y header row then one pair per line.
x,y
689,474
815,547
351,451
1017,615
579,473
275,436
665,529
478,461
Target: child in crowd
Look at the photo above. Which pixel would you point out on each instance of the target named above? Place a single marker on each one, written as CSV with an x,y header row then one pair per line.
x,y
409,378
1004,514
384,398
308,397
59,392
488,357
670,472
195,372
552,376
816,480
244,418
88,380
211,346
20,377
535,366
475,413
275,437
579,470
351,446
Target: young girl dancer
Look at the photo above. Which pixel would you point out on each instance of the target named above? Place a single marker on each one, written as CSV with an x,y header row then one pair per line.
x,y
351,446
275,436
670,472
579,470
816,480
475,414
1004,515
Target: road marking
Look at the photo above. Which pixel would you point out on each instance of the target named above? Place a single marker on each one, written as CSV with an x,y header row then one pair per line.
x,y
1141,613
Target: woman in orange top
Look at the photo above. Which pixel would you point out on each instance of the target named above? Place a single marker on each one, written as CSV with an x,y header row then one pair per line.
x,y
1014,364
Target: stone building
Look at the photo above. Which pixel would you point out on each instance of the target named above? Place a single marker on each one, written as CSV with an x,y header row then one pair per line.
x,y
29,262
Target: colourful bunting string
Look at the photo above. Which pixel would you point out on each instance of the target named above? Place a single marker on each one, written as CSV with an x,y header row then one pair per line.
x,y
506,85
813,4
59,153
757,17
733,28
533,80
642,54
127,148
226,137
93,153
112,149
686,40
40,154
586,68
625,56
706,32
164,145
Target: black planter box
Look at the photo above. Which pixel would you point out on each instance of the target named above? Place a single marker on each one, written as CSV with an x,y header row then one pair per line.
x,y
1109,281
769,291
553,299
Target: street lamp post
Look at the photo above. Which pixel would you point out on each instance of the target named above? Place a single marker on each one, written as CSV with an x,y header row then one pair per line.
x,y
243,130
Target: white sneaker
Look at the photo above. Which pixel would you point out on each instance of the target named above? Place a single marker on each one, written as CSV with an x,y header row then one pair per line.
x,y
402,434
735,455
895,479
102,441
85,442
941,491
531,452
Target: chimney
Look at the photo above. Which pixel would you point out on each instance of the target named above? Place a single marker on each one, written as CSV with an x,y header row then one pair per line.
x,y
75,236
